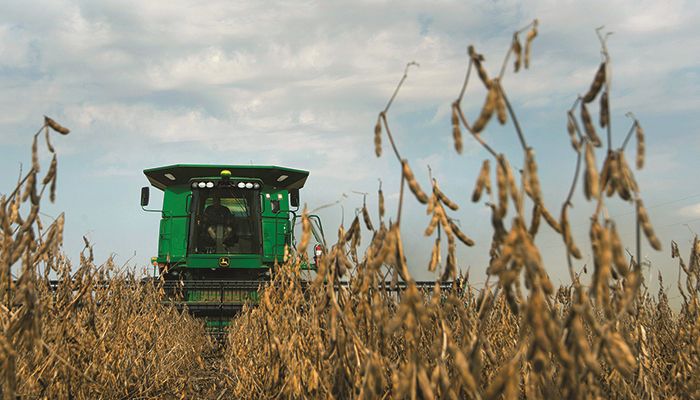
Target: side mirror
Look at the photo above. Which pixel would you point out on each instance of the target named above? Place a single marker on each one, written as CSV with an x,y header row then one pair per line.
x,y
294,197
275,206
145,196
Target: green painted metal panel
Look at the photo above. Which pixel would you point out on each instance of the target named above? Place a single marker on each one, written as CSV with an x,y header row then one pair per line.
x,y
235,260
275,232
276,226
172,243
178,238
164,238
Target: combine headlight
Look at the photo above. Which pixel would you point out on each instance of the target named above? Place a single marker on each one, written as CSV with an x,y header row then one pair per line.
x,y
256,185
201,185
210,185
194,185
248,185
241,185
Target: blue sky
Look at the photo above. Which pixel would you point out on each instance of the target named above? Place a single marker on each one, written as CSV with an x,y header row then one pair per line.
x,y
299,84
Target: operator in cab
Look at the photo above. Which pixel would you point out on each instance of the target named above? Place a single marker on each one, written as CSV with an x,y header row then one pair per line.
x,y
218,221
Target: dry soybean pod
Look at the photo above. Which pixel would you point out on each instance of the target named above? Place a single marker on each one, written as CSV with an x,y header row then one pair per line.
x,y
432,224
532,177
456,131
618,253
305,231
444,199
401,255
640,145
435,256
512,186
460,235
477,59
378,136
483,181
51,173
431,204
596,85
487,181
487,110
52,193
365,216
440,212
413,183
341,262
35,156
625,186
528,42
591,183
517,49
502,183
588,126
566,231
56,126
30,186
646,226
626,173
51,177
535,222
604,110
604,260
354,228
498,227
380,199
48,140
501,107
571,129
451,262
607,177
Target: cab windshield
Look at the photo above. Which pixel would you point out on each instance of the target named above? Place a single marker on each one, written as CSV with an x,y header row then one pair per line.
x,y
225,220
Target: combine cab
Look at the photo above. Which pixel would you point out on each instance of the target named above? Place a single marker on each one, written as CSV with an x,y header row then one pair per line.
x,y
222,229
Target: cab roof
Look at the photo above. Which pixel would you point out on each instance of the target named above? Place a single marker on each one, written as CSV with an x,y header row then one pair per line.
x,y
271,175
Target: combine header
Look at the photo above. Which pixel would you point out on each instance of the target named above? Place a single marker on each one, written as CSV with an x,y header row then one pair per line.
x,y
222,228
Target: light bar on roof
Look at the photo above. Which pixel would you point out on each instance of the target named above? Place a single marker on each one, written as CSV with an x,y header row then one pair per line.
x,y
211,185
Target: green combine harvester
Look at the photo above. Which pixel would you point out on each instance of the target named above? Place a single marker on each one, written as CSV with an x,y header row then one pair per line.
x,y
222,229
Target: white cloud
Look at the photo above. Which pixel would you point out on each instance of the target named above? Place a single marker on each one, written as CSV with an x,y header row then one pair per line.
x,y
691,211
645,18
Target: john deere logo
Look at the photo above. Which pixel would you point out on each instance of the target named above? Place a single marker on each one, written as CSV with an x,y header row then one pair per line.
x,y
223,262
